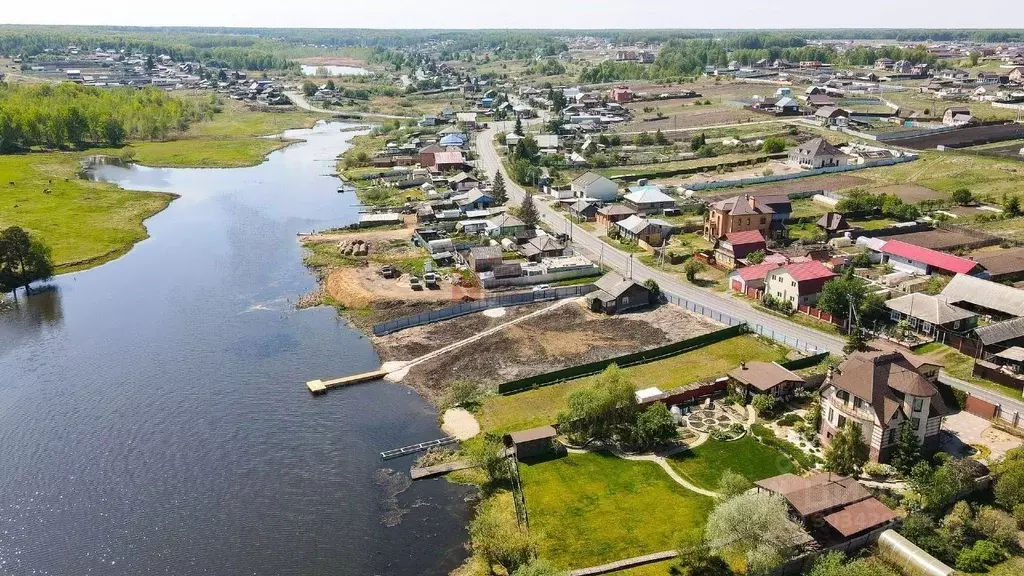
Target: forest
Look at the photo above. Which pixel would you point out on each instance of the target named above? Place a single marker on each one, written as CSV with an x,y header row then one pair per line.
x,y
58,116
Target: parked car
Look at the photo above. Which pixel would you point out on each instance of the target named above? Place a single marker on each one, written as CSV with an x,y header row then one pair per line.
x,y
389,271
540,287
414,283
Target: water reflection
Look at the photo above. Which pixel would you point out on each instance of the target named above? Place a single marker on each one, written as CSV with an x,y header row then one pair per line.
x,y
40,310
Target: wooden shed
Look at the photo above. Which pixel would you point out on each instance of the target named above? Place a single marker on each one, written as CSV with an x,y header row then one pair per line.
x,y
533,442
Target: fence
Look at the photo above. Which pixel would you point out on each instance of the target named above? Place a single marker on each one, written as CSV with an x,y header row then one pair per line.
x,y
504,300
801,564
804,174
633,359
989,371
758,329
805,362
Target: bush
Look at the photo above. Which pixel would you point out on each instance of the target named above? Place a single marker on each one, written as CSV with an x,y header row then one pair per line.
x,y
1018,515
496,537
789,419
733,484
486,453
876,470
463,393
774,145
979,557
763,403
996,525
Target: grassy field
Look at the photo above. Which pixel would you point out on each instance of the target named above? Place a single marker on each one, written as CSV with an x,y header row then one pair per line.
x,y
231,139
947,171
589,509
705,464
84,223
960,366
541,406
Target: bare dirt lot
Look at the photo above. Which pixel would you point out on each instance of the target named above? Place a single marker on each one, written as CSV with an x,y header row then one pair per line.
x,y
567,336
688,116
910,193
757,171
811,184
935,239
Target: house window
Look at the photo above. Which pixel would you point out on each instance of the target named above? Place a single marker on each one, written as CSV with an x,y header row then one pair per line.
x,y
926,327
892,435
913,322
956,325
857,403
762,220
918,404
842,420
915,423
792,283
831,414
894,316
843,395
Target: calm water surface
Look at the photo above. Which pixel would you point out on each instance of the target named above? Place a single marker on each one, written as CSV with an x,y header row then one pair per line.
x,y
310,70
153,416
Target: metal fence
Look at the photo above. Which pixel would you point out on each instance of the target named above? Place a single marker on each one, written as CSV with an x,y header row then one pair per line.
x,y
503,300
728,320
804,174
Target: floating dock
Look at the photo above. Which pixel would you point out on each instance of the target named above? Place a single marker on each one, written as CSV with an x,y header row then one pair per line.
x,y
431,471
317,387
422,446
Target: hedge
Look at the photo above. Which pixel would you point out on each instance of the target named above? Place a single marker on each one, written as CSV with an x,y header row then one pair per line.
x,y
805,362
632,359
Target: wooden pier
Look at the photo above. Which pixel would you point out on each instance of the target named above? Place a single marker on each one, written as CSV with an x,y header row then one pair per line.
x,y
317,387
624,564
422,446
431,471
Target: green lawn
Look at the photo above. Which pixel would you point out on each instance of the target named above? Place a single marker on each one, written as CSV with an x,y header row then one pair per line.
x,y
1011,567
589,509
207,152
960,366
947,171
541,406
84,223
873,223
807,207
705,464
624,246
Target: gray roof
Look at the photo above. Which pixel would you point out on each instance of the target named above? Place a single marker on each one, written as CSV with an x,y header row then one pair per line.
x,y
1014,353
647,195
588,178
931,309
485,252
615,210
614,284
581,205
985,294
634,224
506,221
1000,332
818,147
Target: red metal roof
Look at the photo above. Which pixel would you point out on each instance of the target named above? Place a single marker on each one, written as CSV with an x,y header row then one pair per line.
x,y
813,270
756,272
933,258
747,237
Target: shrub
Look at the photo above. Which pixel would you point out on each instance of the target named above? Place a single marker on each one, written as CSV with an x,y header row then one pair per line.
x,y
733,484
876,470
486,453
763,403
996,525
496,537
465,393
789,419
979,557
774,145
1018,515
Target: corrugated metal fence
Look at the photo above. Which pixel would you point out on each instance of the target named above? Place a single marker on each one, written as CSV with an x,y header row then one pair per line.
x,y
804,174
511,299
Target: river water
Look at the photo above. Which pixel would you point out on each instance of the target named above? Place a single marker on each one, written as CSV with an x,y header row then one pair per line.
x,y
153,412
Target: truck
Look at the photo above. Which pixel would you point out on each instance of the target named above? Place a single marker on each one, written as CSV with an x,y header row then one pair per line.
x,y
429,276
414,283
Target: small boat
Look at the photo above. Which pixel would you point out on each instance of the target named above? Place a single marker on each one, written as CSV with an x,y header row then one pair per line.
x,y
346,188
341,189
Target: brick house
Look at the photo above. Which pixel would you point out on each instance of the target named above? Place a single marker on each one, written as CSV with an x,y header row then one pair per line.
x,y
738,214
799,283
882,391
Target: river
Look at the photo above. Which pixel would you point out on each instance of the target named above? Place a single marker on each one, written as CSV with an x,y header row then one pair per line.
x,y
153,412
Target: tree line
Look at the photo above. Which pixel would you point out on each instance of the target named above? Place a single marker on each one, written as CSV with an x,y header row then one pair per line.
x,y
23,260
67,114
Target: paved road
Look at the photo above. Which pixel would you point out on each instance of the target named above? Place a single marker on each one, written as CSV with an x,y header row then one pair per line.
x,y
1008,404
627,265
300,100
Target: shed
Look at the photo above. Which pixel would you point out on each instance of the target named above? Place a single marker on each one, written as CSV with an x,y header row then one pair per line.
x,y
531,443
616,294
766,378
484,258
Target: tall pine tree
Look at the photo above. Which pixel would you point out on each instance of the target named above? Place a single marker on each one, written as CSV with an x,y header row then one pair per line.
x,y
519,127
500,195
528,212
908,450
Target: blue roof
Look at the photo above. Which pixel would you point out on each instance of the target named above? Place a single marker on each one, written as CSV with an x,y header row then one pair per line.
x,y
453,140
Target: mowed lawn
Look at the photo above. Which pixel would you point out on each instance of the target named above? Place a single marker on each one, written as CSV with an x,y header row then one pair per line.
x,y
589,509
84,223
542,405
705,464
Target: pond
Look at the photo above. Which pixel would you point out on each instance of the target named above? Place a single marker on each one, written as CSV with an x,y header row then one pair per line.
x,y
153,412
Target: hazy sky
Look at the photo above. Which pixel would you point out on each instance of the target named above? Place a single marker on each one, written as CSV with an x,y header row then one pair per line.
x,y
521,13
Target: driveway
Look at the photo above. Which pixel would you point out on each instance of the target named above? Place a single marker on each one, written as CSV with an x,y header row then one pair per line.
x,y
963,429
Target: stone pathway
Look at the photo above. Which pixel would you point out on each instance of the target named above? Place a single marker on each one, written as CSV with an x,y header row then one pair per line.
x,y
660,460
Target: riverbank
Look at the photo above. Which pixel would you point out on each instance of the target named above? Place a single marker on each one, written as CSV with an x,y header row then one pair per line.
x,y
87,224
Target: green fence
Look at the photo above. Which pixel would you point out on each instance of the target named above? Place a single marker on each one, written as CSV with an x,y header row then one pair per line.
x,y
633,359
805,362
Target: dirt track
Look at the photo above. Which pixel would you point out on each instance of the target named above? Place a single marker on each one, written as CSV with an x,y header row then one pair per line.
x,y
567,336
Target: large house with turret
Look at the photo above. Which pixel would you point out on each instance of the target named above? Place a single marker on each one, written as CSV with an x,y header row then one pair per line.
x,y
882,391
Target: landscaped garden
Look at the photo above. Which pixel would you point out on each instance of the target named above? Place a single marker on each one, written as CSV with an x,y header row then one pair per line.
x,y
589,509
704,464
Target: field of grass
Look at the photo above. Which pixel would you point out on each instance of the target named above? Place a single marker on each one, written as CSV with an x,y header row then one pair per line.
x,y
947,171
708,163
589,509
231,139
541,406
873,223
84,223
807,207
705,464
960,366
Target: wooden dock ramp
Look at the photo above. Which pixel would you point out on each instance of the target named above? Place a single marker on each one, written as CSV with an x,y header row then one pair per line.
x,y
317,387
430,471
624,564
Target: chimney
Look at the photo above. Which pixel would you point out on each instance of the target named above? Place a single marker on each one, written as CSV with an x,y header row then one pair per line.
x,y
752,202
743,365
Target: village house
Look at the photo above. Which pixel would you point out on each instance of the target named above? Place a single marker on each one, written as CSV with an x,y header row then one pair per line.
x,y
1016,75
833,223
506,225
583,211
622,95
540,247
733,250
1005,265
831,116
652,232
648,199
616,294
817,153
475,199
612,213
919,260
930,315
833,508
883,63
427,154
957,116
447,161
532,443
765,378
738,214
800,283
484,258
595,186
995,300
882,391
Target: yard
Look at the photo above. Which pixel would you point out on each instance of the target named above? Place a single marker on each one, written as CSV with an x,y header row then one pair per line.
x,y
541,406
960,366
705,464
589,509
947,171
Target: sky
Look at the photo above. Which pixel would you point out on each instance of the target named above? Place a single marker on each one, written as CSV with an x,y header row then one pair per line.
x,y
519,13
